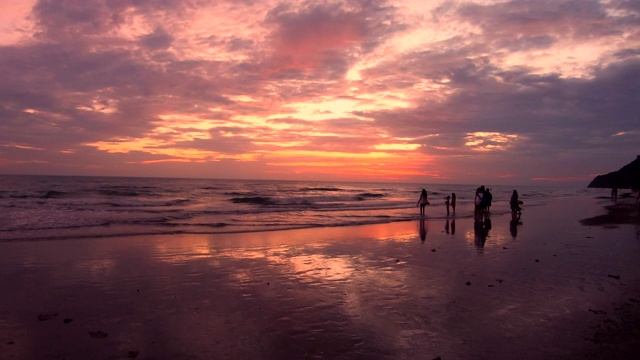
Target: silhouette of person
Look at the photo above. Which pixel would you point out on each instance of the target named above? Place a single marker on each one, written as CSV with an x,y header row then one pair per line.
x,y
453,226
515,204
453,203
423,201
423,230
447,202
614,193
478,203
487,197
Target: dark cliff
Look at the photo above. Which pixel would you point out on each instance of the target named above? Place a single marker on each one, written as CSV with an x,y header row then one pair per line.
x,y
626,178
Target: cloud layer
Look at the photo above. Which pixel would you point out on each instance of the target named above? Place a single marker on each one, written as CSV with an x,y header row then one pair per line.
x,y
429,91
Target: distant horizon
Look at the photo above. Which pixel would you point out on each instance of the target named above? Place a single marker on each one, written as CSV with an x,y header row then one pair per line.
x,y
489,184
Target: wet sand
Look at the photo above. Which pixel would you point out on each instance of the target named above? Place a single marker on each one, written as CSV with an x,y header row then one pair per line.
x,y
548,286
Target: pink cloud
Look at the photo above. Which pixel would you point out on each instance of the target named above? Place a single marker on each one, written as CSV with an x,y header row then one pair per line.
x,y
315,38
304,40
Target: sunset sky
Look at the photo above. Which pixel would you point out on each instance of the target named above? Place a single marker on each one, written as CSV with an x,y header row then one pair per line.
x,y
491,92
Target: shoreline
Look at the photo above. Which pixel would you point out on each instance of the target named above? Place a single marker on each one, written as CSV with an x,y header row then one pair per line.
x,y
366,291
56,209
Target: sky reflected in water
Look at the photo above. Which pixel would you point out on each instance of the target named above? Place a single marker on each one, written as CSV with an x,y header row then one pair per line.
x,y
374,292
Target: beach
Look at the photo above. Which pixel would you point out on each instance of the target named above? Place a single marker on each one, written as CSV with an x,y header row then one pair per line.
x,y
545,287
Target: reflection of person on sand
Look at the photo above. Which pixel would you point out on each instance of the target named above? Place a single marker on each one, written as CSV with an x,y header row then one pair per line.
x,y
446,226
453,226
481,231
423,201
423,230
513,226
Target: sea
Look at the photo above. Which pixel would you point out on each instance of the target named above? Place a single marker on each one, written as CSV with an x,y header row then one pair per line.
x,y
61,207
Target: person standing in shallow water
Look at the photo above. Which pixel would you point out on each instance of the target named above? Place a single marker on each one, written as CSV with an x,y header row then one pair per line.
x,y
447,202
487,197
479,204
515,204
423,201
453,203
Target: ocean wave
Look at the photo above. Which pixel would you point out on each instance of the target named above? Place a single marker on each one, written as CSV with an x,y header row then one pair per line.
x,y
259,200
148,203
127,193
50,194
320,189
364,196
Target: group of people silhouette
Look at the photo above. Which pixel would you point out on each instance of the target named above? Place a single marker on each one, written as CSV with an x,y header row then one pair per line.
x,y
614,192
482,213
423,201
482,203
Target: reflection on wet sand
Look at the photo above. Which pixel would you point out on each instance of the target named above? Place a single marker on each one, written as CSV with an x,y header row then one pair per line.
x,y
181,250
423,229
481,230
355,292
513,226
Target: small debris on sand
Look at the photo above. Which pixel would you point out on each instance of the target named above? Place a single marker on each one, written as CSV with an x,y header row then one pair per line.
x,y
67,320
614,276
468,283
43,317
